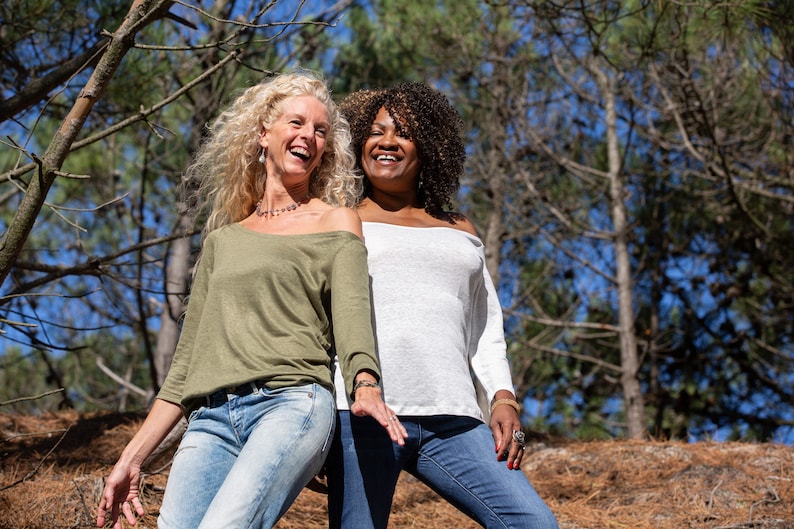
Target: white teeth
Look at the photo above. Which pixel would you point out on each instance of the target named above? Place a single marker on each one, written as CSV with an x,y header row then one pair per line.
x,y
300,151
386,157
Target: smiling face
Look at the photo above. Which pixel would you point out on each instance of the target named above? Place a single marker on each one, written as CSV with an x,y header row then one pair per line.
x,y
295,142
388,157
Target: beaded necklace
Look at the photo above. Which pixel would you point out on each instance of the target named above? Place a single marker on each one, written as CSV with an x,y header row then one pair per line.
x,y
279,211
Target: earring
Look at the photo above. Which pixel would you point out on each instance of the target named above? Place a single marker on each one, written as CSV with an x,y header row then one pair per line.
x,y
262,156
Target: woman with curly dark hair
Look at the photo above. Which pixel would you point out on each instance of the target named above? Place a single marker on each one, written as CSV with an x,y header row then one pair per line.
x,y
438,329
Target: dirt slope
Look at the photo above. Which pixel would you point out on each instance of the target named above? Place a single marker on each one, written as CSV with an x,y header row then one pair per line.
x,y
51,471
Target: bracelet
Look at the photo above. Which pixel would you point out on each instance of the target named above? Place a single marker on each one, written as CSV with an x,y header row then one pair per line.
x,y
509,402
366,383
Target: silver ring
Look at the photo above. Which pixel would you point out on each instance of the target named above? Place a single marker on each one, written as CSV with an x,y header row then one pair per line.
x,y
393,418
519,438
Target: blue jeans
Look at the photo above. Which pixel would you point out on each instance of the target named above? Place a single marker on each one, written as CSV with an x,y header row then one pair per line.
x,y
245,457
454,456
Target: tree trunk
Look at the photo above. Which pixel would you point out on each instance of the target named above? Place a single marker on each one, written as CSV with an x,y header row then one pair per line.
x,y
633,400
176,285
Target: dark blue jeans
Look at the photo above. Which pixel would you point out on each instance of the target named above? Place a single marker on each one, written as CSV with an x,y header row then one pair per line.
x,y
454,456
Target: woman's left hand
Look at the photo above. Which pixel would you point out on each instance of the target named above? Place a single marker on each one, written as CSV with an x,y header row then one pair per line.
x,y
507,432
369,402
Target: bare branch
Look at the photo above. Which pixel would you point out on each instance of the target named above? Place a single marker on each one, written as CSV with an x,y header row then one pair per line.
x,y
24,399
100,363
92,266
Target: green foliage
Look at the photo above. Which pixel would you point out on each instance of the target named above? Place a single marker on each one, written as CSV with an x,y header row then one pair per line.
x,y
43,381
704,113
704,103
380,52
90,282
22,377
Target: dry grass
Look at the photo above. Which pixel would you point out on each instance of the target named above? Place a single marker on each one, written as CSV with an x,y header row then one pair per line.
x,y
51,471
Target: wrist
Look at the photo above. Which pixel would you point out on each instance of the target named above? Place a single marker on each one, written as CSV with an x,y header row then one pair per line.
x,y
364,383
506,402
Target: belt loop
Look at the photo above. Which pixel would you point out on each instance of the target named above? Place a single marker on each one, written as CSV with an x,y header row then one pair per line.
x,y
254,387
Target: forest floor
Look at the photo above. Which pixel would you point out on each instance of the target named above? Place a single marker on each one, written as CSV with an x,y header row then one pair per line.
x,y
52,469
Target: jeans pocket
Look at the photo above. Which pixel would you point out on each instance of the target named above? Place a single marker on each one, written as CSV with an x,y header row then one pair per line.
x,y
195,413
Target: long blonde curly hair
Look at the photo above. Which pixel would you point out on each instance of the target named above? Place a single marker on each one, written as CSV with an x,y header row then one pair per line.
x,y
228,178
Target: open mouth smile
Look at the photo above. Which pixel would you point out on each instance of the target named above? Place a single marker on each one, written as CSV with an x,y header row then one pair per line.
x,y
301,153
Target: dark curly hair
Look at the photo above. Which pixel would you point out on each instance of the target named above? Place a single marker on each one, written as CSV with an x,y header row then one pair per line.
x,y
424,115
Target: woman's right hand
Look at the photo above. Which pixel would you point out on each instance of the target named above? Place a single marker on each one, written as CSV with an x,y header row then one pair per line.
x,y
120,495
121,488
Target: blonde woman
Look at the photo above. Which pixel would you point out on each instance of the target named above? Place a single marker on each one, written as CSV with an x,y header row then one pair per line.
x,y
281,284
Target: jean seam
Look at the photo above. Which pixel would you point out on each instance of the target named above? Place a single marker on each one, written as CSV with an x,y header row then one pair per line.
x,y
329,436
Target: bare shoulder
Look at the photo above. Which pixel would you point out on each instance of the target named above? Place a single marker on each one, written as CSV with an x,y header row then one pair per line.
x,y
342,219
463,223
